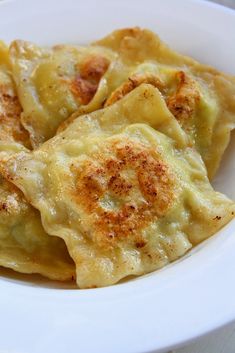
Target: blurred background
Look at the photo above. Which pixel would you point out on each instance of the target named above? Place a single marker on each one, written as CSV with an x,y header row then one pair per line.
x,y
230,3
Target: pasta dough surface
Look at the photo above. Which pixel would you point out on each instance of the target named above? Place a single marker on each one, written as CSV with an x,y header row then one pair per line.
x,y
24,245
200,97
125,198
52,83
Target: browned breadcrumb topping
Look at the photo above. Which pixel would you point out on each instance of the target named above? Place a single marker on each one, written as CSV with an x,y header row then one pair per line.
x,y
133,82
93,68
3,206
83,89
183,102
136,180
10,110
14,204
85,84
130,32
217,218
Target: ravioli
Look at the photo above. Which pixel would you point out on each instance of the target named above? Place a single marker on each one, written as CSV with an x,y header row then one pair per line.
x,y
126,198
24,245
201,98
52,83
10,108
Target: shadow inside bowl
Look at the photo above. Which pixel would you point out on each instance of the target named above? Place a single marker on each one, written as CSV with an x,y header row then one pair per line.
x,y
34,280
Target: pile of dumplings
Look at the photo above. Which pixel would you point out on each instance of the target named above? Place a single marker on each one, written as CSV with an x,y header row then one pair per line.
x,y
106,156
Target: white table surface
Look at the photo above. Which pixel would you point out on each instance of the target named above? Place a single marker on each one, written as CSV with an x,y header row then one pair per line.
x,y
229,3
223,340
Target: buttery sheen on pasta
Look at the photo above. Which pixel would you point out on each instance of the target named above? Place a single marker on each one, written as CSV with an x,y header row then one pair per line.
x,y
126,134
10,108
24,245
126,198
201,98
53,83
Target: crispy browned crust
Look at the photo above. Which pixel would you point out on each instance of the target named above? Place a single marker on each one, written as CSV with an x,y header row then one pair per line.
x,y
83,89
183,102
86,83
141,184
11,205
94,67
10,110
133,82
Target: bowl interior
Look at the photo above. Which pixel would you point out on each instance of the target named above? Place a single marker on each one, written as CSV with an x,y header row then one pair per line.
x,y
189,27
194,38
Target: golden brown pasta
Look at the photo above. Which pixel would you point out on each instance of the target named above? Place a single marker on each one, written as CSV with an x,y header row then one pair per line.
x,y
53,83
24,245
10,108
200,97
124,184
125,198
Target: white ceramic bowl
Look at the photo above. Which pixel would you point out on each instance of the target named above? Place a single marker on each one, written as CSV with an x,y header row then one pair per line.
x,y
164,309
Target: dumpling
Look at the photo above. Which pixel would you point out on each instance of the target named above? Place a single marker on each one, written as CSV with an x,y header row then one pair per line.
x,y
24,245
125,198
10,108
53,83
201,98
